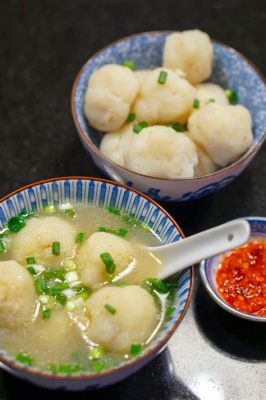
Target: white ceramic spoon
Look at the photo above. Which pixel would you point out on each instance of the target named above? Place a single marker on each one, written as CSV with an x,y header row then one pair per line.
x,y
179,255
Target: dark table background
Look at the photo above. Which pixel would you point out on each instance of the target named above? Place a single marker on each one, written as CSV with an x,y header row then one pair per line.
x,y
43,44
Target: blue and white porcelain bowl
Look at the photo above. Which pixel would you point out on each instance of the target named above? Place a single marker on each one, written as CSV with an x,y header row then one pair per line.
x,y
101,193
231,70
208,269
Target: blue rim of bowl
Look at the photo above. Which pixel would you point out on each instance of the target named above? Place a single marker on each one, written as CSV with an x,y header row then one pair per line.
x,y
12,364
94,149
205,263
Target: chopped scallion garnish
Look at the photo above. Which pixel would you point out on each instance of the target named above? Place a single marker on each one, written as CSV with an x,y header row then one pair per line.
x,y
162,77
108,262
46,314
2,246
135,349
232,96
31,270
113,210
80,237
49,209
169,311
211,100
40,286
61,299
129,64
121,232
24,359
56,248
96,353
196,103
156,284
30,260
110,308
131,117
69,212
64,368
177,127
99,366
137,128
15,224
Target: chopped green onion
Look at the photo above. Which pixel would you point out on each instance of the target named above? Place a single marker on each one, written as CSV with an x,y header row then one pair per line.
x,y
69,212
15,224
177,127
49,209
53,273
157,284
135,349
2,246
162,77
40,286
96,353
137,128
108,262
196,103
110,308
61,299
121,232
80,237
31,270
131,117
56,248
169,311
211,100
24,359
31,260
113,210
232,96
46,314
129,64
98,366
103,229
64,368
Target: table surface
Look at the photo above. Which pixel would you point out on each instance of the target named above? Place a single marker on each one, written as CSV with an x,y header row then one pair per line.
x,y
212,355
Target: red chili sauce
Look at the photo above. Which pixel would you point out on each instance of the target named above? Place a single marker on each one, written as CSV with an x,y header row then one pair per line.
x,y
241,278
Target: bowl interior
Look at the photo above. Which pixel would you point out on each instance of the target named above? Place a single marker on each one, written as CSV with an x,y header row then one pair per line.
x,y
209,267
106,194
230,70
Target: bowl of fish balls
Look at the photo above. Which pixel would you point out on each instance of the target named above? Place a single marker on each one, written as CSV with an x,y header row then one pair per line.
x,y
81,304
174,114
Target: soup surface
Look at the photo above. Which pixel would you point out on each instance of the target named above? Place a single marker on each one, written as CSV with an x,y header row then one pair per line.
x,y
89,298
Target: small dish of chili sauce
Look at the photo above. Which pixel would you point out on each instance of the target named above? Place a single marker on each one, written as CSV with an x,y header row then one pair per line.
x,y
241,278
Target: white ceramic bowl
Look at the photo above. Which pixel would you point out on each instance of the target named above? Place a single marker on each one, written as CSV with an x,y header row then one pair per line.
x,y
104,194
208,269
230,70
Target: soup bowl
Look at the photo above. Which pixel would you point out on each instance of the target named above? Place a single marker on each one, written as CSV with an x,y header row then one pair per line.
x,y
209,267
230,70
102,193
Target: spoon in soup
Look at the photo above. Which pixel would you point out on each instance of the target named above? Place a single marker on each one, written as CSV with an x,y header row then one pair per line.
x,y
183,253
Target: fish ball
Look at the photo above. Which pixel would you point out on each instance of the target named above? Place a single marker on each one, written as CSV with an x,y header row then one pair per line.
x,y
17,295
36,239
224,131
134,320
192,52
162,152
109,96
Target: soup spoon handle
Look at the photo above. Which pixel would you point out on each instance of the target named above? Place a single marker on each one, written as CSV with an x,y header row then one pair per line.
x,y
179,255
